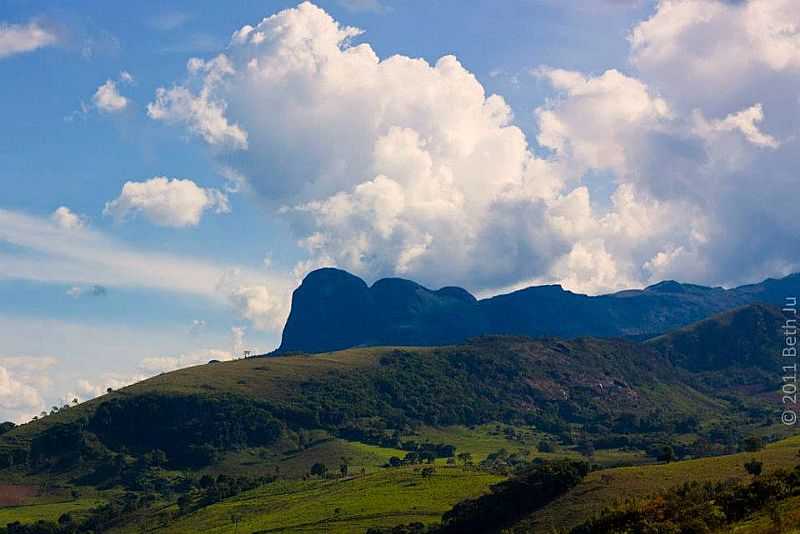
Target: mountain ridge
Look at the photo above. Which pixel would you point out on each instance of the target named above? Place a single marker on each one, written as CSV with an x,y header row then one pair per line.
x,y
333,309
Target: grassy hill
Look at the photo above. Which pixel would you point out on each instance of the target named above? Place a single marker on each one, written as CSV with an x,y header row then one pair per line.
x,y
604,488
355,504
300,443
748,337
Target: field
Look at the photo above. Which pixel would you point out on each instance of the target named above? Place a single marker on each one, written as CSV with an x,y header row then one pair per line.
x,y
384,498
47,511
295,464
603,488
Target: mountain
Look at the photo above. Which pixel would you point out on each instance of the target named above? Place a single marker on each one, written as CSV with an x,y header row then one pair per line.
x,y
333,309
746,337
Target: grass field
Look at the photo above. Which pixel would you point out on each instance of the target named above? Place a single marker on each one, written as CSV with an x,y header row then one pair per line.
x,y
385,498
48,511
603,488
294,464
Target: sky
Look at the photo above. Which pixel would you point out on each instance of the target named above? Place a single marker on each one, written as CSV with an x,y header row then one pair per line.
x,y
170,171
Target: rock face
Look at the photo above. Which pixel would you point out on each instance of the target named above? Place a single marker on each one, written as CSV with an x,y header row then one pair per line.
x,y
333,310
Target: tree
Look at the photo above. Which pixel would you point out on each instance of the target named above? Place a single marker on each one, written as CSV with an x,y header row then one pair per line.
x,y
667,454
465,458
427,456
411,458
158,458
586,448
319,469
754,467
394,461
546,446
427,472
753,444
236,519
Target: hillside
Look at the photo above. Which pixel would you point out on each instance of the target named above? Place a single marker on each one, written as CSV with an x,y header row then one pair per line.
x,y
746,337
333,309
548,383
374,437
607,487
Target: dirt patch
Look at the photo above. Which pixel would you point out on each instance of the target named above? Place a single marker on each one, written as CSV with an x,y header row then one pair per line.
x,y
15,495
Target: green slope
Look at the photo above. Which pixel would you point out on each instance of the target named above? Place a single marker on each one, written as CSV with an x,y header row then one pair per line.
x,y
386,498
604,488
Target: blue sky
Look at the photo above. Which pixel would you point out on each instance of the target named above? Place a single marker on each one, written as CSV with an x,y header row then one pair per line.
x,y
157,210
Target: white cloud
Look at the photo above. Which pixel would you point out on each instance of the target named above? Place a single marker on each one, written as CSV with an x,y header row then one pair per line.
x,y
93,291
107,98
23,379
67,219
745,122
400,167
85,257
719,55
259,305
164,364
383,166
237,339
21,38
715,175
202,113
92,388
597,119
167,202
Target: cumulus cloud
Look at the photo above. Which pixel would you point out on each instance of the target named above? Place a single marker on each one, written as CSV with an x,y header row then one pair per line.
x,y
395,166
382,166
718,158
744,122
202,113
617,107
22,382
107,98
167,202
164,364
95,387
265,305
719,55
21,38
67,219
237,339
